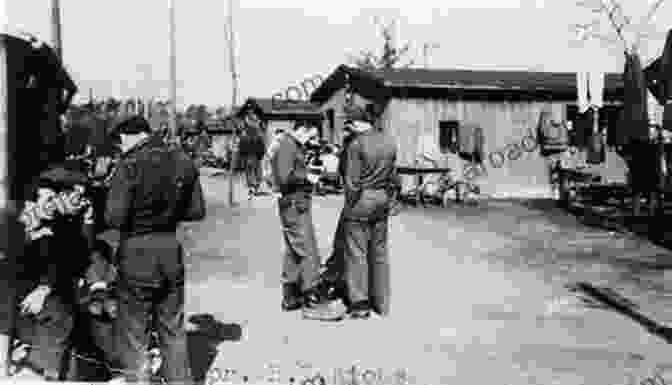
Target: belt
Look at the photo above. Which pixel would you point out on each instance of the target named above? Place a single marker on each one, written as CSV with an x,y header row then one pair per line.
x,y
296,194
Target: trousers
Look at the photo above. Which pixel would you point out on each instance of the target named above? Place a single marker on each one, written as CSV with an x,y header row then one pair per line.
x,y
367,267
163,304
253,172
301,259
336,263
49,333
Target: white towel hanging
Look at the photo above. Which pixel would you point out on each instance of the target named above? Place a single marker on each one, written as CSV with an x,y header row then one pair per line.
x,y
596,84
582,91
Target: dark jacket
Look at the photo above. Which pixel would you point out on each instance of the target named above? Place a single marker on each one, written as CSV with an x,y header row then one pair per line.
x,y
370,174
289,167
665,71
635,123
154,188
342,157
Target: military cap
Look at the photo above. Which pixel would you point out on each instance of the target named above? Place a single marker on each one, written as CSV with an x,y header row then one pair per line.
x,y
357,114
133,125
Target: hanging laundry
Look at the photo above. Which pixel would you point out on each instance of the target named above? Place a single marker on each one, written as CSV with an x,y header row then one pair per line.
x,y
582,91
479,151
643,165
596,152
467,141
664,83
667,115
583,128
635,123
553,136
596,88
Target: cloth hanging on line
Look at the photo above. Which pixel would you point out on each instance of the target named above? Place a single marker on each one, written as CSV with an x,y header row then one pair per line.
x,y
596,88
583,128
635,123
582,90
471,142
553,136
665,72
596,151
590,90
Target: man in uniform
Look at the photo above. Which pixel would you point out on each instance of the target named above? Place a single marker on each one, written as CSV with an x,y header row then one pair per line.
x,y
301,260
370,176
153,188
333,284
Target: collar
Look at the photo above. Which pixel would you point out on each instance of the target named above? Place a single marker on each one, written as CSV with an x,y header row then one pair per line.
x,y
151,140
361,127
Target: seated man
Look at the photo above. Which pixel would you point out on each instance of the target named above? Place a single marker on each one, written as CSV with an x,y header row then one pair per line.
x,y
45,276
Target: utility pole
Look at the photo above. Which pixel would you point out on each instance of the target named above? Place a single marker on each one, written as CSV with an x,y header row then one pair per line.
x,y
234,101
56,28
426,48
173,74
5,183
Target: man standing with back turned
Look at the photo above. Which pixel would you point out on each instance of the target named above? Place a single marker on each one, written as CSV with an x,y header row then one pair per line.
x,y
370,178
153,188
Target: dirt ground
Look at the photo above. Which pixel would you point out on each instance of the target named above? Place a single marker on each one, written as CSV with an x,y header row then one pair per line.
x,y
479,296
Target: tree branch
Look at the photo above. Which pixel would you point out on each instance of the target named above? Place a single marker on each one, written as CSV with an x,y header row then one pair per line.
x,y
617,27
646,20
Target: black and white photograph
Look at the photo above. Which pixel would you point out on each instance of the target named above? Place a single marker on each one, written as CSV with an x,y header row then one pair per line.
x,y
325,193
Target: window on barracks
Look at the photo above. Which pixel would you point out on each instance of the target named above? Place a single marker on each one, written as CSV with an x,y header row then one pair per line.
x,y
448,134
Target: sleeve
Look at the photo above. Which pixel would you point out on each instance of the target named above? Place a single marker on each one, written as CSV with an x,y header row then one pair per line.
x,y
195,210
89,228
395,177
353,168
51,272
120,195
284,170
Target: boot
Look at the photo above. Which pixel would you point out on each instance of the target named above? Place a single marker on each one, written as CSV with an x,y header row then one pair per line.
x,y
291,299
317,307
360,310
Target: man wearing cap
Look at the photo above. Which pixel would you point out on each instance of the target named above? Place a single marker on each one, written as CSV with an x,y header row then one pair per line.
x,y
154,187
370,176
301,262
332,278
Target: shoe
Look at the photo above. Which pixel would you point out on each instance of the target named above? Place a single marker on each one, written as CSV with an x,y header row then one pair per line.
x,y
326,311
328,289
291,300
313,298
360,310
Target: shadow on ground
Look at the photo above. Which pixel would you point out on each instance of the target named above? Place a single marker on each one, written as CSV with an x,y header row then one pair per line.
x,y
202,342
651,228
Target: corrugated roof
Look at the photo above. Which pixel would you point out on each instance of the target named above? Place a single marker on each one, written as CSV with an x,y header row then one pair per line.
x,y
462,79
511,80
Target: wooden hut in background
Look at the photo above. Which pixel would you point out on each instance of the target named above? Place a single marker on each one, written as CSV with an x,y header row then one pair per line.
x,y
421,107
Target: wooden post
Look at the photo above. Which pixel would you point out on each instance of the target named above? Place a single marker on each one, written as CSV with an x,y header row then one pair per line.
x,y
234,101
5,342
173,75
56,28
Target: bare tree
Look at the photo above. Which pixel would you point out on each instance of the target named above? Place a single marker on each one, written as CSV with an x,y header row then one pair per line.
x,y
392,55
622,29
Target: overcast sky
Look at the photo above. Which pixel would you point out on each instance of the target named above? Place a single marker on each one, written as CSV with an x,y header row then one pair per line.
x,y
120,48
